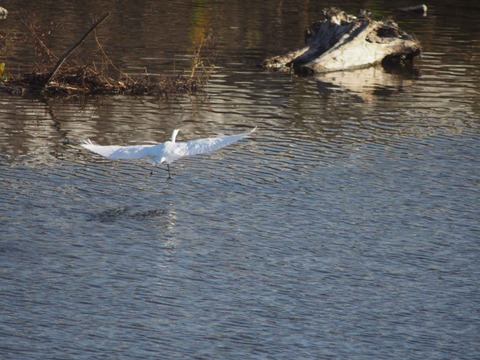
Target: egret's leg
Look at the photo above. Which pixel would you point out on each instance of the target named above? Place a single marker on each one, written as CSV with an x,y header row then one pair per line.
x,y
169,174
154,167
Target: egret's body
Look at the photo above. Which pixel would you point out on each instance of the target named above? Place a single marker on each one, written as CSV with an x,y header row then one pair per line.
x,y
166,152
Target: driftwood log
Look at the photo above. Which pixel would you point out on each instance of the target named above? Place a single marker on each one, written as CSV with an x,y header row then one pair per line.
x,y
3,13
344,42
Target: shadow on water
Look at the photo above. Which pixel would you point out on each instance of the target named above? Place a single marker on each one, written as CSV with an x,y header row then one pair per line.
x,y
130,213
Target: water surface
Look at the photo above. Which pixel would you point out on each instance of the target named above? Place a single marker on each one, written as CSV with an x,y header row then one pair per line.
x,y
345,227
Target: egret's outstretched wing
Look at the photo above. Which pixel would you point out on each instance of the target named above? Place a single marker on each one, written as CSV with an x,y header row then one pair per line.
x,y
124,152
201,146
168,152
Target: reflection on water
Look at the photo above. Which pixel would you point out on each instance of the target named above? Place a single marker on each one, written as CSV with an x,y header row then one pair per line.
x,y
346,227
369,84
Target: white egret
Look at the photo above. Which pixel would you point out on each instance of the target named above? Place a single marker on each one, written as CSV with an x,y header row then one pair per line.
x,y
166,152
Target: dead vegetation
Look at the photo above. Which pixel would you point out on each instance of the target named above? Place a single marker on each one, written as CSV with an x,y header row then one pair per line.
x,y
65,75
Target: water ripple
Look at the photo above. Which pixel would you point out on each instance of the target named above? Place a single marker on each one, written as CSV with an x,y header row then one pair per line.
x,y
345,227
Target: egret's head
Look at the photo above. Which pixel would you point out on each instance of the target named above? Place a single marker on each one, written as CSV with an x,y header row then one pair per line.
x,y
174,134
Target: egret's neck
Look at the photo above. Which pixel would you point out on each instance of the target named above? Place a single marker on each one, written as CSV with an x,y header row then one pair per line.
x,y
174,134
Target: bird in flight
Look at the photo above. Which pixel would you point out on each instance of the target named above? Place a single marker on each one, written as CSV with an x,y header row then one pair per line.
x,y
166,152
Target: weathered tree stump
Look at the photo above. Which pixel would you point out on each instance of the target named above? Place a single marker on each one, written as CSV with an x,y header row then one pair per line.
x,y
344,42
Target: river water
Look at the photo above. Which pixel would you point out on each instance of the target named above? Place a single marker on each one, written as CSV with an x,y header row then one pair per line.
x,y
346,227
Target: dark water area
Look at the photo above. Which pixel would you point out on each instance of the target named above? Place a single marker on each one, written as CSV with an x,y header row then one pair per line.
x,y
346,227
